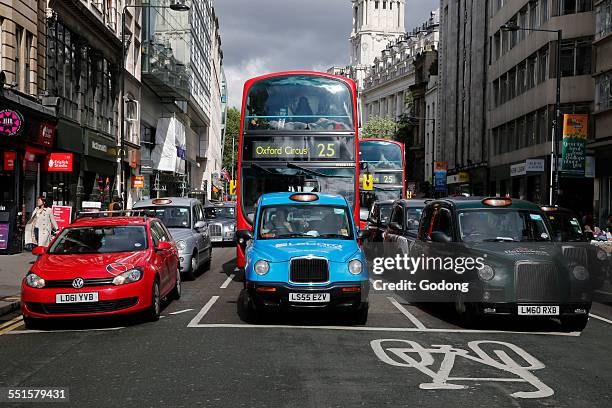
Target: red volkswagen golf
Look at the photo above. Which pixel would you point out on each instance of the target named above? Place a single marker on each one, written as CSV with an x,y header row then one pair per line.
x,y
103,266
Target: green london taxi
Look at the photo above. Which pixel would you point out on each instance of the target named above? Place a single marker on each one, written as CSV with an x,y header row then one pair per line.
x,y
503,250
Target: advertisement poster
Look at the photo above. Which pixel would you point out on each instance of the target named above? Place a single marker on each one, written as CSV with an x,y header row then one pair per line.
x,y
9,161
60,162
4,236
575,129
440,176
63,215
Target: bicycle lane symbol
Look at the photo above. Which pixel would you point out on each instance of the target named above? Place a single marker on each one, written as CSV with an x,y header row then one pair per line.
x,y
442,379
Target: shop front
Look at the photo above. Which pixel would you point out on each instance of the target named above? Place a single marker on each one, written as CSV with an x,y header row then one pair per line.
x,y
99,169
27,136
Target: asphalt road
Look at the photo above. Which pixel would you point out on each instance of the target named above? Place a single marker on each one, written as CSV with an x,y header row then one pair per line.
x,y
201,354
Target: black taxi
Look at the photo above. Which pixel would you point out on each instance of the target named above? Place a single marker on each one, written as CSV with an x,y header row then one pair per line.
x,y
502,251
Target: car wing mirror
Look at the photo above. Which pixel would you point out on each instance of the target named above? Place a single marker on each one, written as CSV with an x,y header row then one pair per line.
x,y
439,236
163,246
363,234
395,226
39,250
199,225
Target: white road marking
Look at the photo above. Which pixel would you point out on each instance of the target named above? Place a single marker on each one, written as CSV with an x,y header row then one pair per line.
x,y
366,329
411,354
603,292
228,281
65,331
181,311
603,319
196,320
406,313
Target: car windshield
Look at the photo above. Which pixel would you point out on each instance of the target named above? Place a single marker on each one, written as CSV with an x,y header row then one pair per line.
x,y
100,240
413,216
566,225
367,198
502,225
304,221
220,212
385,213
172,217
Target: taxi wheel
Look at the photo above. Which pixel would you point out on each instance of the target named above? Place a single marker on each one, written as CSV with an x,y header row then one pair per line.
x,y
360,316
155,309
246,311
193,268
574,323
209,259
178,288
468,316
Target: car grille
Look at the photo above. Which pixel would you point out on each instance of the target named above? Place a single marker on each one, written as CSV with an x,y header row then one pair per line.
x,y
215,230
81,308
576,254
67,283
308,270
536,282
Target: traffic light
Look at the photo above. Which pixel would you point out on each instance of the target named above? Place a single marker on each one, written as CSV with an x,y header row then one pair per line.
x,y
368,182
232,187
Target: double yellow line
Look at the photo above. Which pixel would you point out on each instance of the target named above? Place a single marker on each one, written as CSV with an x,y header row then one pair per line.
x,y
11,325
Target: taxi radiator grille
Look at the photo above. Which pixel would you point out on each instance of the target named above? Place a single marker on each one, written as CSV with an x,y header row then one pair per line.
x,y
536,282
215,230
67,283
81,308
308,270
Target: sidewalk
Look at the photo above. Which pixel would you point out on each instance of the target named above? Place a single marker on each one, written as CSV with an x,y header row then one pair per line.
x,y
12,270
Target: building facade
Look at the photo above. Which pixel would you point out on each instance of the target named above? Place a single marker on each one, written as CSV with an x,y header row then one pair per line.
x,y
521,93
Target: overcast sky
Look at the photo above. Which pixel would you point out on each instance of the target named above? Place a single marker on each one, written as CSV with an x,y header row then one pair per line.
x,y
261,36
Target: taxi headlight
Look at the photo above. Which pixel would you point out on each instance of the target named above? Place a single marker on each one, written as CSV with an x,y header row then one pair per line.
x,y
580,272
180,245
130,276
355,267
261,267
601,255
486,273
34,281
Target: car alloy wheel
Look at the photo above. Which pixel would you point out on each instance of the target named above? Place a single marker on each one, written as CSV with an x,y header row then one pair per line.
x,y
178,288
155,309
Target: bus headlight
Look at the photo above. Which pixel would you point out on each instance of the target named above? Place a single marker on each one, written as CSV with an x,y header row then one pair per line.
x,y
355,267
580,272
261,267
486,273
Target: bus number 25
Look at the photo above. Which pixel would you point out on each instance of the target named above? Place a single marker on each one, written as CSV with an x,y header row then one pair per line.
x,y
326,150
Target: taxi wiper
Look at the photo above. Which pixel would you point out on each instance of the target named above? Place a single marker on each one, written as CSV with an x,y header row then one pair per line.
x,y
333,236
313,172
500,239
293,235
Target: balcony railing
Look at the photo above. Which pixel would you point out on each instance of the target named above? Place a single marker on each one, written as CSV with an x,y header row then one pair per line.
x,y
168,77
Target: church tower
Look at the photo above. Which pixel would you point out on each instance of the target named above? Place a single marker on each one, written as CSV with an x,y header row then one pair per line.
x,y
375,24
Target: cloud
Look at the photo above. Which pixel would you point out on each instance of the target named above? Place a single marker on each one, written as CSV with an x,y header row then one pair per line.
x,y
265,36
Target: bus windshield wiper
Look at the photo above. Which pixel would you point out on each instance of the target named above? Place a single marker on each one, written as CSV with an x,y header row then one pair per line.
x,y
313,172
260,168
384,189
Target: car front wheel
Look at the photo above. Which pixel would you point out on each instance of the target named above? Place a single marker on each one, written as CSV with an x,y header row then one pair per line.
x,y
574,323
176,292
155,309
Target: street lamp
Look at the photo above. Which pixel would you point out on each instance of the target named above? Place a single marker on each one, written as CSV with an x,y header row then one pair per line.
x,y
554,171
177,5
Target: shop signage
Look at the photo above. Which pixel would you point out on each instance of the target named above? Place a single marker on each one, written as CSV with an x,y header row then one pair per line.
x,y
137,181
461,177
4,235
146,166
519,169
529,166
46,134
9,161
575,129
440,169
11,122
60,162
63,215
98,146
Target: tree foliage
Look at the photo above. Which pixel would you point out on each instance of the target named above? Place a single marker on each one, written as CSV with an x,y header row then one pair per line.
x,y
232,131
379,127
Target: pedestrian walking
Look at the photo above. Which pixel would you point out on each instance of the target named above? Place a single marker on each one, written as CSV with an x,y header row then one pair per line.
x,y
41,226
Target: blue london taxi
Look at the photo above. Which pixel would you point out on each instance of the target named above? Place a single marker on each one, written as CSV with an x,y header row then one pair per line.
x,y
304,253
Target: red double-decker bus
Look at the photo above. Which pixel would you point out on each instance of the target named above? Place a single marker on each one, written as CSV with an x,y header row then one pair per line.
x,y
298,132
385,160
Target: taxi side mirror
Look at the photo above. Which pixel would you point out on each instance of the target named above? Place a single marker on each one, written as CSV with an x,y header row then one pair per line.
x,y
363,234
199,225
395,226
39,250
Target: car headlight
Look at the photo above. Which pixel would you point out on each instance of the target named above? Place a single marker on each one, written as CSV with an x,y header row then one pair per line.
x,y
580,272
180,245
261,267
601,255
34,281
355,267
130,276
486,273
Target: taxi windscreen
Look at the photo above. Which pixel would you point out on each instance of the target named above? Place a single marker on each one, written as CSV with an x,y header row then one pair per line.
x,y
220,212
171,217
502,225
304,221
100,240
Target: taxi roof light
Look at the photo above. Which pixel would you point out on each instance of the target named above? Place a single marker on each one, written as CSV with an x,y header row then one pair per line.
x,y
161,201
497,201
549,208
304,197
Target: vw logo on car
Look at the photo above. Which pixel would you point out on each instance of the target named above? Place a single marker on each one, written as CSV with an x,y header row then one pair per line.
x,y
78,283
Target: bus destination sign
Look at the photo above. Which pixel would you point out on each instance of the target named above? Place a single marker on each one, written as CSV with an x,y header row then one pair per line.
x,y
297,149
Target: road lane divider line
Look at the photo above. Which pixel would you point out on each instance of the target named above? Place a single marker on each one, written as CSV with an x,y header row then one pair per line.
x,y
373,329
11,322
417,323
180,311
9,329
228,281
196,320
603,319
603,292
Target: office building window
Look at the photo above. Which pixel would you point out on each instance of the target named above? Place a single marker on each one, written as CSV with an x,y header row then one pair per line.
x,y
533,15
542,123
531,71
542,65
575,6
26,60
603,92
576,57
512,83
521,77
544,11
603,19
18,54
